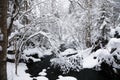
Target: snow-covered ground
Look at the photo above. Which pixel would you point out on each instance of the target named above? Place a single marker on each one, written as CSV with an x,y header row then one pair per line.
x,y
22,75
21,72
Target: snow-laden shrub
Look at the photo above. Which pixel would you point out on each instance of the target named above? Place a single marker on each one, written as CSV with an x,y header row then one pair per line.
x,y
67,63
109,54
115,32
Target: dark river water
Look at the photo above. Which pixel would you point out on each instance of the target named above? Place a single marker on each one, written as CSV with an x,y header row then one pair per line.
x,y
107,72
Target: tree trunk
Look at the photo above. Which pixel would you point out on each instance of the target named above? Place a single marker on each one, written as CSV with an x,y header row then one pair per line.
x,y
88,24
3,39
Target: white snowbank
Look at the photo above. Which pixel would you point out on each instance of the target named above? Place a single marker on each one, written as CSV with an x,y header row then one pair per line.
x,y
43,73
38,51
117,29
112,32
90,62
42,78
84,53
33,51
11,48
94,59
66,78
10,56
21,72
113,43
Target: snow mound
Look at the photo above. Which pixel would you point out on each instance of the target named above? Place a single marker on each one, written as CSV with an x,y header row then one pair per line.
x,y
33,51
113,43
114,31
42,78
66,78
117,29
21,72
10,56
43,73
95,58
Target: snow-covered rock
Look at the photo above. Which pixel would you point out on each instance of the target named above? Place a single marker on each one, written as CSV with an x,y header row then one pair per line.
x,y
43,73
42,78
66,78
33,51
118,29
113,43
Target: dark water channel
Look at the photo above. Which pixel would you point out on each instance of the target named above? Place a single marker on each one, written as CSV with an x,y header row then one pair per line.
x,y
106,73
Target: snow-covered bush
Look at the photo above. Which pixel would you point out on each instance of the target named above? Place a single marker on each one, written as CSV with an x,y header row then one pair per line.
x,y
67,60
67,63
77,60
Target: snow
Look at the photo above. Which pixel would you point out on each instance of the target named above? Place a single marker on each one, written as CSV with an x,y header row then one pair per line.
x,y
22,75
17,23
42,78
33,51
84,53
102,26
62,6
118,29
68,51
36,50
112,32
71,25
95,58
8,21
90,62
11,48
40,32
21,72
34,59
47,52
43,73
13,34
10,56
66,78
113,43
